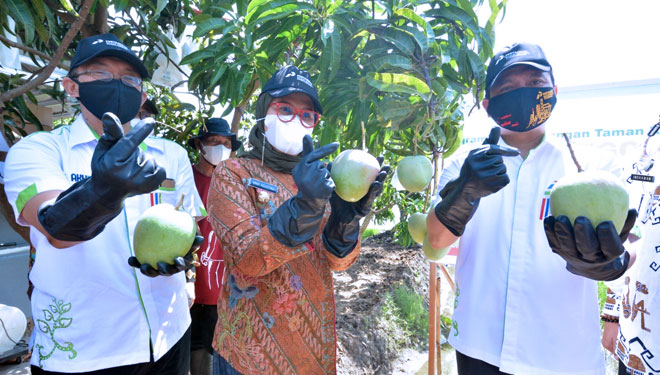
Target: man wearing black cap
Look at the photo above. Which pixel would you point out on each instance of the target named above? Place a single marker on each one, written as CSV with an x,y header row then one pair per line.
x,y
215,143
517,309
81,189
283,230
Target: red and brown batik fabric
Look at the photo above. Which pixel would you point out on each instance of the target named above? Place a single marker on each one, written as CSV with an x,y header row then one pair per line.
x,y
276,311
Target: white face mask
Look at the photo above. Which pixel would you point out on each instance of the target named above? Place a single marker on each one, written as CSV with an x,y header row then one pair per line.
x,y
286,137
216,154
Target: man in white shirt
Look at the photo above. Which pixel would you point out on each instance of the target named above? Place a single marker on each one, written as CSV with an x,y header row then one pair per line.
x,y
81,189
517,309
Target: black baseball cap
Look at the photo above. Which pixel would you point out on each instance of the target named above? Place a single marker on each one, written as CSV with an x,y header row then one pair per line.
x,y
106,45
217,126
516,54
290,79
150,105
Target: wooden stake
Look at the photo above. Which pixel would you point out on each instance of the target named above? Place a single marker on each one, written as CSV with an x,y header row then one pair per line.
x,y
448,277
432,302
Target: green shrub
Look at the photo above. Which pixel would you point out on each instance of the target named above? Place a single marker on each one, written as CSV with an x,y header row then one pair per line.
x,y
412,310
370,232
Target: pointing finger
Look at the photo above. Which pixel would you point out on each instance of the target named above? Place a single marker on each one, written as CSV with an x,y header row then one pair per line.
x,y
308,145
494,136
322,152
132,140
502,150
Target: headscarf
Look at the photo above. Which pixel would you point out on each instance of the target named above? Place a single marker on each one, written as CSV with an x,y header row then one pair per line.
x,y
271,158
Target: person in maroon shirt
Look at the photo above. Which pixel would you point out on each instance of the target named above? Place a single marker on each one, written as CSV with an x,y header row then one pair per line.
x,y
214,143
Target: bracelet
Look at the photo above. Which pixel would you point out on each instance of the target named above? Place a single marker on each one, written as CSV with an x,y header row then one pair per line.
x,y
609,318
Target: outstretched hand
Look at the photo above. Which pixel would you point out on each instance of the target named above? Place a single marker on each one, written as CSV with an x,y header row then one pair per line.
x,y
310,174
595,253
183,263
363,206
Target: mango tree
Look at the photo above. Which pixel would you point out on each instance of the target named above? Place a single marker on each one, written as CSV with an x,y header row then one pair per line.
x,y
392,75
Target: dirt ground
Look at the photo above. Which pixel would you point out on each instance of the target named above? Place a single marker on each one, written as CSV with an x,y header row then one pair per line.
x,y
362,344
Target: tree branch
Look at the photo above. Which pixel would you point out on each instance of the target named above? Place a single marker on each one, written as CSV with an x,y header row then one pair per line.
x,y
100,24
64,44
31,50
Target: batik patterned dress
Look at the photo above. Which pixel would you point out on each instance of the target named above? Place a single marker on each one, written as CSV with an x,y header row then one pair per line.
x,y
276,311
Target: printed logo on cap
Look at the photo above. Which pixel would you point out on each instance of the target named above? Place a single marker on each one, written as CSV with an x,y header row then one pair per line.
x,y
304,80
511,55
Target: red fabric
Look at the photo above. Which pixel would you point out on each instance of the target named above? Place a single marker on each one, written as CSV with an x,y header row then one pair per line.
x,y
212,267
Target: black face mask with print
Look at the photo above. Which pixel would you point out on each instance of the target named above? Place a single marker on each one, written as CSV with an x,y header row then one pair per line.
x,y
522,109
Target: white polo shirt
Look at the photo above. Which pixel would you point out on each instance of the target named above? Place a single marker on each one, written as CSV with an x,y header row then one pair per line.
x,y
91,309
516,306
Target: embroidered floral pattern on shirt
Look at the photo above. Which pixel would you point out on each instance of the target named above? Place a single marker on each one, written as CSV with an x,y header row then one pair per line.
x,y
54,319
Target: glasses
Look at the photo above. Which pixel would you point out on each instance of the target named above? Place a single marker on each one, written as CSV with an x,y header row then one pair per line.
x,y
144,114
102,75
286,113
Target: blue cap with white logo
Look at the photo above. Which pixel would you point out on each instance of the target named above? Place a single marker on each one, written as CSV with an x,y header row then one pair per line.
x,y
516,54
106,45
291,79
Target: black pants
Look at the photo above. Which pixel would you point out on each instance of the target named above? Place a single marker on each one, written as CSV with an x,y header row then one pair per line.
x,y
203,318
471,366
175,362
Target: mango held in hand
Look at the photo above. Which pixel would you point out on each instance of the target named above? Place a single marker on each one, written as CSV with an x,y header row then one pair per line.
x,y
417,227
162,234
414,172
598,195
353,171
431,253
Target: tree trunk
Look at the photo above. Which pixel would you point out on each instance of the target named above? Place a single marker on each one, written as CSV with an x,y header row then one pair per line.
x,y
101,19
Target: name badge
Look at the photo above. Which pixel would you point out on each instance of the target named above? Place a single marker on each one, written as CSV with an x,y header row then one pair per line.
x,y
253,182
642,177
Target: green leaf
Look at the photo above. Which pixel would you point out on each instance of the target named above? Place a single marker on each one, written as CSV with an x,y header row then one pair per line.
x,y
159,7
335,53
216,77
268,7
20,12
327,29
120,5
39,8
397,61
400,39
412,16
398,83
206,26
198,56
69,8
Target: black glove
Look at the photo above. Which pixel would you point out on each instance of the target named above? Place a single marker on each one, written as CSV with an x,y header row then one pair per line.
x,y
341,232
596,254
297,220
119,170
482,174
183,263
